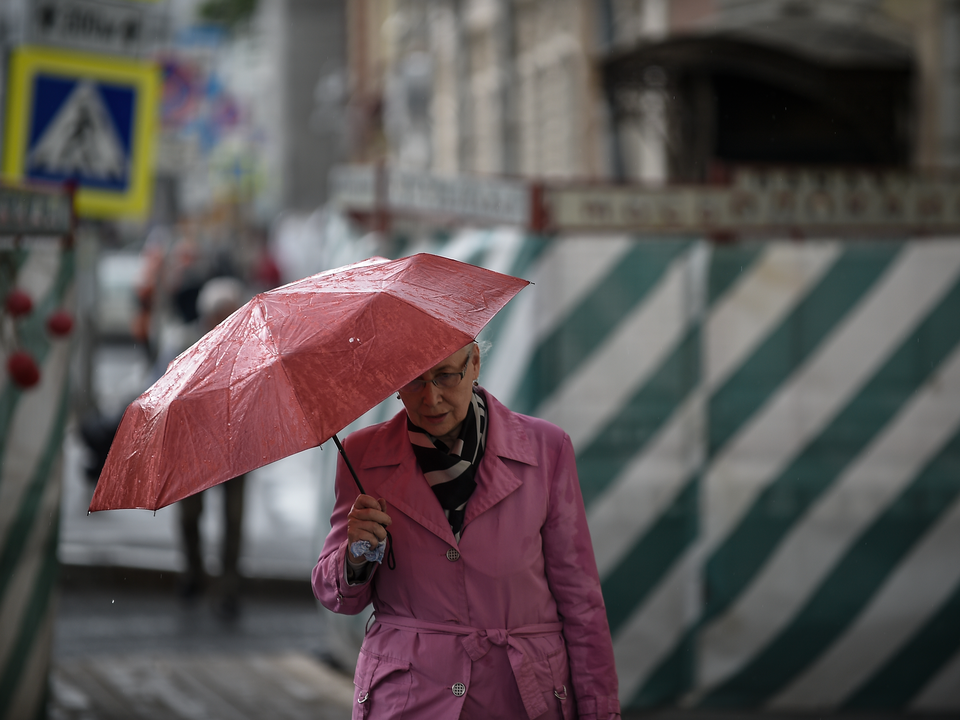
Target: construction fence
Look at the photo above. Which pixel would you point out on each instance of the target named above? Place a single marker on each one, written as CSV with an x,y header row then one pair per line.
x,y
768,443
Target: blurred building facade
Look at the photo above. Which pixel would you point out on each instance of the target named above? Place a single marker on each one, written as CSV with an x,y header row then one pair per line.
x,y
653,90
253,112
306,45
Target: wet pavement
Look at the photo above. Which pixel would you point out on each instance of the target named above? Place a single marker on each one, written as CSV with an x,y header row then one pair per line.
x,y
126,645
102,611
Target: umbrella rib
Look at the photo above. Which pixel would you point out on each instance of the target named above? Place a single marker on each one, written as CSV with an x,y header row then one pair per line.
x,y
283,367
158,483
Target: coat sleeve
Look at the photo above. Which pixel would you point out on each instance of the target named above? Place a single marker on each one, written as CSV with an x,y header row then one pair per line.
x,y
571,569
329,576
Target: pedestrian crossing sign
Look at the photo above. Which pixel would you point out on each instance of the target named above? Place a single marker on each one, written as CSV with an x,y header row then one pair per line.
x,y
84,118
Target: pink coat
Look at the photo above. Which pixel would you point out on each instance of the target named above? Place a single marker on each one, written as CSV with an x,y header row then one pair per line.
x,y
510,623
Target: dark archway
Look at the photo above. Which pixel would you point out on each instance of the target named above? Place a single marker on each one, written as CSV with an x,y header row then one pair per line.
x,y
732,102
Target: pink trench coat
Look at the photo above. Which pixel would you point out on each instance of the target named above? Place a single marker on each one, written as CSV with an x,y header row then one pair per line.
x,y
510,623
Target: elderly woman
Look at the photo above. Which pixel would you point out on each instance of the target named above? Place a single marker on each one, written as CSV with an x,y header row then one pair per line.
x,y
493,608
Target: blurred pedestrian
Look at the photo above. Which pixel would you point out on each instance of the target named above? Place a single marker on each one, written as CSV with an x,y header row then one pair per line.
x,y
217,299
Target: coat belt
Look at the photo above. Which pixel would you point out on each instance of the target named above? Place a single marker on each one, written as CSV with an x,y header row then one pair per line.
x,y
477,643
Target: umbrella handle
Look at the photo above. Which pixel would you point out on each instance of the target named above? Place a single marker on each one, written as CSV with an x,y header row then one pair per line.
x,y
391,561
349,466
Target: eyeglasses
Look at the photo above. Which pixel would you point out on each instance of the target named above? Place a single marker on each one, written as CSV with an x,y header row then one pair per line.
x,y
444,380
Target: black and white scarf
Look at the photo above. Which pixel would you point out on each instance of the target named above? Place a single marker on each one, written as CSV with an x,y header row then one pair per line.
x,y
451,471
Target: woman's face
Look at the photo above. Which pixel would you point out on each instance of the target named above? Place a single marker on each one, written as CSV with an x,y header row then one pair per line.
x,y
439,410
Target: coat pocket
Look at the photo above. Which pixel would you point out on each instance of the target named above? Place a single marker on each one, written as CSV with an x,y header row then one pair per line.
x,y
382,686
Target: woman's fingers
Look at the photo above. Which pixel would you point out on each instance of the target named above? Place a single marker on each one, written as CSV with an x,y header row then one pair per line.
x,y
368,508
367,521
369,531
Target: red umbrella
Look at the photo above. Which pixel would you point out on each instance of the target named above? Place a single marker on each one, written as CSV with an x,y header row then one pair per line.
x,y
290,369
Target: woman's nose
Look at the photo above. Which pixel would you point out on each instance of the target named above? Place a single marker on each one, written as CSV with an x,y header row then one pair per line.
x,y
431,394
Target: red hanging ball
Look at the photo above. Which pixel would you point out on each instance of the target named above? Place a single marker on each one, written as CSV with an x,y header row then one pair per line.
x,y
19,303
60,323
23,369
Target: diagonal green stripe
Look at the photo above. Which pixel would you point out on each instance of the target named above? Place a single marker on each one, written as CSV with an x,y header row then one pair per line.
x,y
441,236
35,340
19,529
402,244
9,396
476,257
31,622
727,265
640,418
672,678
850,585
908,672
793,341
10,264
735,562
561,352
651,558
531,249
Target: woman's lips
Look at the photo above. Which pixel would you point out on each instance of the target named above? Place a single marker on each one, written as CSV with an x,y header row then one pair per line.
x,y
435,419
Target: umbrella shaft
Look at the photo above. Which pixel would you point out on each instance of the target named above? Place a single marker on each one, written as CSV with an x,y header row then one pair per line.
x,y
349,466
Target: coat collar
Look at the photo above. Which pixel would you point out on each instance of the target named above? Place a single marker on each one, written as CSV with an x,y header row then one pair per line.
x,y
407,490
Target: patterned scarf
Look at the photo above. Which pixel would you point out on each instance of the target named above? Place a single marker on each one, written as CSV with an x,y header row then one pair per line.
x,y
451,471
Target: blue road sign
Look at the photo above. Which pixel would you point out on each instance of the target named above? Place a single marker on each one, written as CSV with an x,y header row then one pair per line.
x,y
87,119
81,129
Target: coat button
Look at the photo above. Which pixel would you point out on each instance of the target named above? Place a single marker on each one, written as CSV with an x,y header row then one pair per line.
x,y
459,689
453,555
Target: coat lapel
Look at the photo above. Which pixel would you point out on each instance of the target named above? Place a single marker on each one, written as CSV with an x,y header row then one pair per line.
x,y
506,440
405,488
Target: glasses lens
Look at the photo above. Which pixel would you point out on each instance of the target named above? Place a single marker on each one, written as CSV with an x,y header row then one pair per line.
x,y
448,380
413,386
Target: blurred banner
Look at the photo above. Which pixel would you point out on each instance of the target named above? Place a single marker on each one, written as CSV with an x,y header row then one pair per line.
x,y
810,201
36,320
756,202
768,441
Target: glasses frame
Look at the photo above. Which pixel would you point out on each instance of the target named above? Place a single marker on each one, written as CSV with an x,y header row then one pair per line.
x,y
421,383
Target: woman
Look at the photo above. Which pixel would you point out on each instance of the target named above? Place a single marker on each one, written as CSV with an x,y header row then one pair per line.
x,y
493,609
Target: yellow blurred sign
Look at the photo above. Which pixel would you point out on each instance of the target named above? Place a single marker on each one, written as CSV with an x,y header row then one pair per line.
x,y
85,118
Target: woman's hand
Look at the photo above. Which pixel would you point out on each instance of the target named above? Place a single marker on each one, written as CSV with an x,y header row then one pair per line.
x,y
368,520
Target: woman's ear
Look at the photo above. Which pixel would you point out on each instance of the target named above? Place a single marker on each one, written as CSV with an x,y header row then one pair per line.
x,y
475,359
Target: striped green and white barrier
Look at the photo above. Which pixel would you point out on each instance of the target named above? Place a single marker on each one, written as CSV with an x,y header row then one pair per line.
x,y
768,442
32,424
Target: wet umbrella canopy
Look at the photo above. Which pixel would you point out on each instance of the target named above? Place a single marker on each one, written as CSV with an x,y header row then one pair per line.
x,y
290,369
